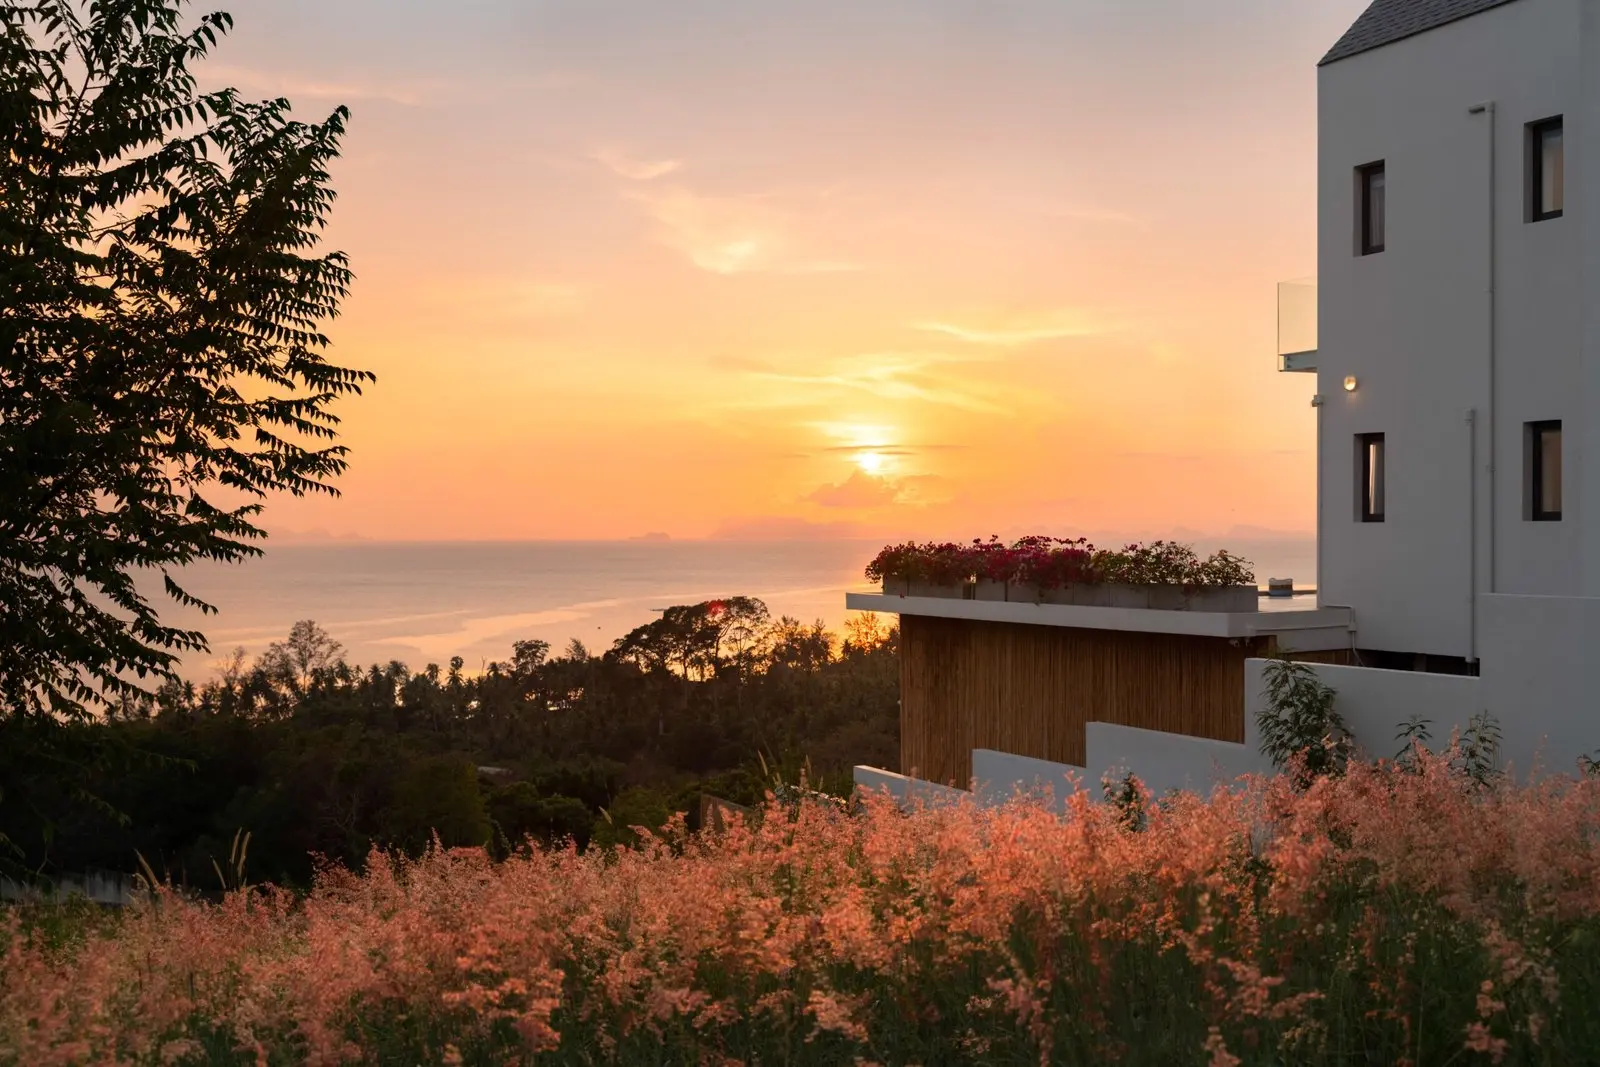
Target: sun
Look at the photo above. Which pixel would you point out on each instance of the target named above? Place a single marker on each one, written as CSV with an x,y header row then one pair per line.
x,y
873,463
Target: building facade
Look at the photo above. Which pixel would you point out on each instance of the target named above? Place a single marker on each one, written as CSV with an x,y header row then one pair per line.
x,y
1456,360
1458,357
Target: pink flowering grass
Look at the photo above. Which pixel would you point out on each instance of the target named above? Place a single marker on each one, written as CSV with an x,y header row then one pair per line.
x,y
1382,917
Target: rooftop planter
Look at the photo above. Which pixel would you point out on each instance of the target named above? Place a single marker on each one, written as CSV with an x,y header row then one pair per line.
x,y
1160,576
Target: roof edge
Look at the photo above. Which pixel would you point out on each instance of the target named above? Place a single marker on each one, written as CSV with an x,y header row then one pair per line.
x,y
1387,22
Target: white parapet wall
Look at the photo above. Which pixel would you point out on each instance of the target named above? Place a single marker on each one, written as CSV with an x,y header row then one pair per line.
x,y
1538,680
907,791
1164,761
1375,704
1161,761
100,887
999,777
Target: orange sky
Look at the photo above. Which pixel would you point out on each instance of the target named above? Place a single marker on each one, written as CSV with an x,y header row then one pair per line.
x,y
923,267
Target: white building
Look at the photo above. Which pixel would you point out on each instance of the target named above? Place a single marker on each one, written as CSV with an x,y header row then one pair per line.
x,y
1456,352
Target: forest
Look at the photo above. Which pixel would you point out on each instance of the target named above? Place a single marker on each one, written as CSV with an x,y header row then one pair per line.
x,y
318,759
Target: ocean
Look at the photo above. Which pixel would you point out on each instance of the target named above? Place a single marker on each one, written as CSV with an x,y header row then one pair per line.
x,y
423,603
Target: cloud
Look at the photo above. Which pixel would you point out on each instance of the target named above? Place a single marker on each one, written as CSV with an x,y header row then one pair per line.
x,y
410,94
894,450
889,387
1014,330
735,234
868,492
860,491
633,169
896,377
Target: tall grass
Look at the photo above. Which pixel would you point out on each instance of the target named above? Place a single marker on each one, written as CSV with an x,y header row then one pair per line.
x,y
1390,915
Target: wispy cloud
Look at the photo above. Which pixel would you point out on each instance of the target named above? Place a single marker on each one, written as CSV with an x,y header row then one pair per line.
x,y
895,378
859,492
634,170
408,93
869,492
894,450
736,234
1014,330
721,234
726,234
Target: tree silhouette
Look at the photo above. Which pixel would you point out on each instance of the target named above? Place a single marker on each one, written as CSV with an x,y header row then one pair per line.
x,y
161,360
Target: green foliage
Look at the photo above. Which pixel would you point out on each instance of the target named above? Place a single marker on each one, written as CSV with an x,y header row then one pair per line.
x,y
62,923
1299,726
1414,735
309,649
800,786
309,755
162,368
634,807
1477,749
698,640
520,813
436,795
50,767
1128,795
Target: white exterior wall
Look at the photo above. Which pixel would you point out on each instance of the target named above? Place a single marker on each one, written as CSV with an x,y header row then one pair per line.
x,y
1412,323
907,791
1164,761
998,777
1374,704
1583,205
1540,678
100,887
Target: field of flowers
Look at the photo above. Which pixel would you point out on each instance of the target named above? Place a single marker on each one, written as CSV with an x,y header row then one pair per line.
x,y
1395,915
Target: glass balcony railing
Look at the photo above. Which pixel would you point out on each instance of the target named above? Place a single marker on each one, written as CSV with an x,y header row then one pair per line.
x,y
1297,325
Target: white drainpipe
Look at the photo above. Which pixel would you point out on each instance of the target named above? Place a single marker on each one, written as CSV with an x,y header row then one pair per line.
x,y
1488,111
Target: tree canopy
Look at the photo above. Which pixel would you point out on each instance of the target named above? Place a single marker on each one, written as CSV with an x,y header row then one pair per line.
x,y
330,758
163,292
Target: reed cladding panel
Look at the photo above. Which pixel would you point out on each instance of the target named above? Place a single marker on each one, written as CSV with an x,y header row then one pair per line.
x,y
1031,690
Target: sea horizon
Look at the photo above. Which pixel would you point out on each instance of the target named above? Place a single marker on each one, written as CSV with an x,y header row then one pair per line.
x,y
423,602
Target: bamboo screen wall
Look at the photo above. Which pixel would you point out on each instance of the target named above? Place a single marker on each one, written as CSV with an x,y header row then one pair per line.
x,y
1030,690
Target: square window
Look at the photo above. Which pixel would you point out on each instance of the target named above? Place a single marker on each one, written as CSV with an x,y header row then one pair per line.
x,y
1370,186
1544,471
1546,170
1369,484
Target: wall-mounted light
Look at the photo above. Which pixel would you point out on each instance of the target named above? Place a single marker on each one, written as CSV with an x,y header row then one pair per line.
x,y
1350,384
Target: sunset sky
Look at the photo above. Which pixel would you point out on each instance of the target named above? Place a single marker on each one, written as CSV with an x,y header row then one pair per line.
x,y
741,268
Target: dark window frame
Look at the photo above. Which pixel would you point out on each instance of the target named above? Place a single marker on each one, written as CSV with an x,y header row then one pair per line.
x,y
1364,176
1536,472
1537,211
1371,494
